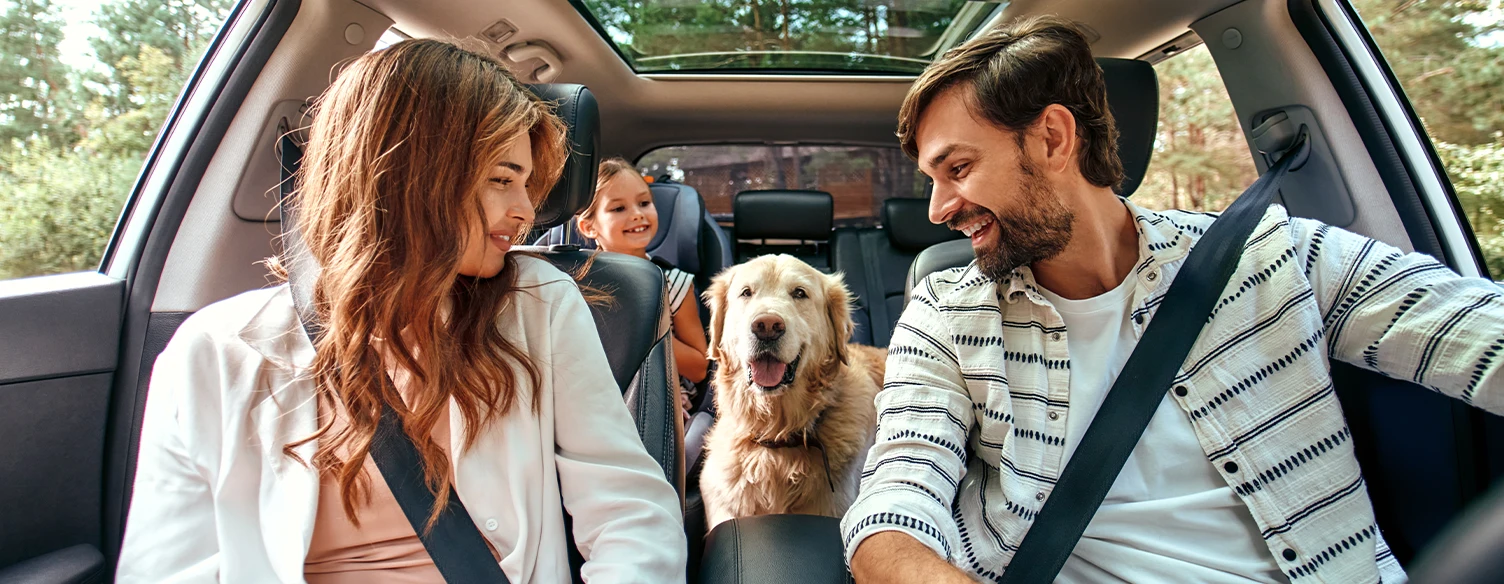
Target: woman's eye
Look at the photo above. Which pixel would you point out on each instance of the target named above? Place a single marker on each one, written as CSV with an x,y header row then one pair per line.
x,y
500,181
746,292
799,293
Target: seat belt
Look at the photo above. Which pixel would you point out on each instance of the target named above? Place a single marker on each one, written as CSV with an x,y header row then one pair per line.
x,y
457,548
877,299
1139,388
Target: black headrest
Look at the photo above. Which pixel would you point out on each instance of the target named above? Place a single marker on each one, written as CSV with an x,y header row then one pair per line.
x,y
574,104
803,215
1133,97
908,224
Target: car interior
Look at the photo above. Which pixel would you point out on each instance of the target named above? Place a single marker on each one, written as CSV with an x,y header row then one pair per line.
x,y
79,348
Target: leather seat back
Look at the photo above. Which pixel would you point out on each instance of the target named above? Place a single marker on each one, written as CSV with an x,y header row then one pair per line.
x,y
634,325
798,223
876,262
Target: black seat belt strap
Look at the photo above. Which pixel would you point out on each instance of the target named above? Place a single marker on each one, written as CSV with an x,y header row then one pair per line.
x,y
877,300
1141,386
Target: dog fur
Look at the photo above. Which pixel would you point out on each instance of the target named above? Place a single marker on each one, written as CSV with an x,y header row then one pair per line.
x,y
830,396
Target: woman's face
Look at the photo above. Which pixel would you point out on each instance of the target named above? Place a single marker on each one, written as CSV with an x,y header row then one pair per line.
x,y
507,211
624,219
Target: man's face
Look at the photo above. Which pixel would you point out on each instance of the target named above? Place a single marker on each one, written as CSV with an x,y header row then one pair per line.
x,y
989,187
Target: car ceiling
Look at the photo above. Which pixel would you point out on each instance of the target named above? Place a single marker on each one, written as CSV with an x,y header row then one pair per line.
x,y
639,113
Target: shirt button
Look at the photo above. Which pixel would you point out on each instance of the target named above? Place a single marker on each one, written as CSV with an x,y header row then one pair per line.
x,y
1054,415
1152,276
1055,336
1138,319
1180,390
491,525
1230,467
1039,496
1289,555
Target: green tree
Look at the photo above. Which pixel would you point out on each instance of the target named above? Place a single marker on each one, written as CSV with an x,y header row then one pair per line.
x,y
34,97
178,29
1200,160
61,191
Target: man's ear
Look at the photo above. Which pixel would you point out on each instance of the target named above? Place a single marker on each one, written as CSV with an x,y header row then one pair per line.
x,y
715,298
1057,128
838,307
587,226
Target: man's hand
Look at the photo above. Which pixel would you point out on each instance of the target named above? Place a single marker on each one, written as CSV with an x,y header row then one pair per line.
x,y
894,557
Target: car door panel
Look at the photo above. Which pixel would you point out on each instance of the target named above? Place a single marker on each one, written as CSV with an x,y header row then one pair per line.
x,y
57,358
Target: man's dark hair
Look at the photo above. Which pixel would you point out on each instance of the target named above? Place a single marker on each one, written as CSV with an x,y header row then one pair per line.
x,y
1017,70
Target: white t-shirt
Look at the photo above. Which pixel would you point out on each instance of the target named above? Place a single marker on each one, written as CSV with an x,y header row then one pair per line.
x,y
1169,517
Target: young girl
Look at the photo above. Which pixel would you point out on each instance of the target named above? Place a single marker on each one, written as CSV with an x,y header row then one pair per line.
x,y
425,162
622,219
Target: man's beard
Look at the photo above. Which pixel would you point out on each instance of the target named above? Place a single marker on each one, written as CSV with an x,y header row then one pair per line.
x,y
1036,228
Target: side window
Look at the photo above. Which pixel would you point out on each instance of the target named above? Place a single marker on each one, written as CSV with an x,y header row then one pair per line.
x,y
859,178
1447,58
84,88
1201,161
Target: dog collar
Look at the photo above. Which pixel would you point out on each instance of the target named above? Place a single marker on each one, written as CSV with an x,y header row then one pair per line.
x,y
805,439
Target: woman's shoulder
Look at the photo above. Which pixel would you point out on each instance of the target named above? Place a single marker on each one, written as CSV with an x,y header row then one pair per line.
x,y
537,273
228,320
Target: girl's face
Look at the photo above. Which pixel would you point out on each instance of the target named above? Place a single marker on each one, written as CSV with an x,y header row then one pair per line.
x,y
624,219
507,210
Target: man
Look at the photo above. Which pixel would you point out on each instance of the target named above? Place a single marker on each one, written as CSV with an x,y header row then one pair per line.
x,y
1246,472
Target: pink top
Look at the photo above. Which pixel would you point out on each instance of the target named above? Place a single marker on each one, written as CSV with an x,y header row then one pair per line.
x,y
384,549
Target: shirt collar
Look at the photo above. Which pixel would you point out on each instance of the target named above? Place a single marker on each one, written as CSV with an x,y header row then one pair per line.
x,y
1160,242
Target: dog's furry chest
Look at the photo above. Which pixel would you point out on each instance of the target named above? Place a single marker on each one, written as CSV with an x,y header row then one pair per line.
x,y
784,480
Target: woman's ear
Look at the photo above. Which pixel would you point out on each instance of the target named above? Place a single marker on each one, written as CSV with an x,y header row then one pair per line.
x,y
838,306
715,299
586,226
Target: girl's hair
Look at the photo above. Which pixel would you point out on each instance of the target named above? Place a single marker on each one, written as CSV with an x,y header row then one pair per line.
x,y
401,144
609,168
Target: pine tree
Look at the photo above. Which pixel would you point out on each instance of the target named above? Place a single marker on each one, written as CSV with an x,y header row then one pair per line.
x,y
34,97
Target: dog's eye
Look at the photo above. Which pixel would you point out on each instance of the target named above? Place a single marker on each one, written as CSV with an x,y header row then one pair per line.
x,y
799,293
746,292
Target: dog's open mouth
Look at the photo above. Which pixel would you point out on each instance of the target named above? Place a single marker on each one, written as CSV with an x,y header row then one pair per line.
x,y
768,373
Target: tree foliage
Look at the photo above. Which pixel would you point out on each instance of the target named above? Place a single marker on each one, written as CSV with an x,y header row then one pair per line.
x,y
71,142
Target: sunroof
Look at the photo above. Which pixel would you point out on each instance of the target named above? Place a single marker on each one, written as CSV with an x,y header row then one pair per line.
x,y
796,36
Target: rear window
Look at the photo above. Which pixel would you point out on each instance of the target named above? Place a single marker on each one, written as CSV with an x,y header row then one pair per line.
x,y
859,178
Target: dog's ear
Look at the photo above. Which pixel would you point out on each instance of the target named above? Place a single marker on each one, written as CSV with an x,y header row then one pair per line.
x,y
715,298
838,306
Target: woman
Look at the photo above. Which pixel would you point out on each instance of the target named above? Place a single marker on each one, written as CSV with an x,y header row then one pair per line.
x,y
424,163
622,219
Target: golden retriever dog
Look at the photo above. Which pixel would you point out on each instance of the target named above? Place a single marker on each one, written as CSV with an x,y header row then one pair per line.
x,y
794,398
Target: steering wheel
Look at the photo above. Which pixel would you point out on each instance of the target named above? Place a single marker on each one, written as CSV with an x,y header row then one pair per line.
x,y
1470,550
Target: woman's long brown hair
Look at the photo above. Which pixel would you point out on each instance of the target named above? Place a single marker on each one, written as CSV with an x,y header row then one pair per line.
x,y
400,146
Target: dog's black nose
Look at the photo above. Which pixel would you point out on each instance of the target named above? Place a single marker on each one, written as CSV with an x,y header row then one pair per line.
x,y
768,328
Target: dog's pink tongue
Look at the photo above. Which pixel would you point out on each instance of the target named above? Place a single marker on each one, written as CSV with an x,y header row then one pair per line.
x,y
768,372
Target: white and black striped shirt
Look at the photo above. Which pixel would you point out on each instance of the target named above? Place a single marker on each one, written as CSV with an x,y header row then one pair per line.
x,y
968,449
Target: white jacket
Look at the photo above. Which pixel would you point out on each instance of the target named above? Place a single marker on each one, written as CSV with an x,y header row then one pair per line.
x,y
216,499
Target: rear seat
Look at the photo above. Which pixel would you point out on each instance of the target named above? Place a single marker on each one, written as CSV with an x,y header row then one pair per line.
x,y
876,260
797,223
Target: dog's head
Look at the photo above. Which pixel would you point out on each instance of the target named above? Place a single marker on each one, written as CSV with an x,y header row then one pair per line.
x,y
775,314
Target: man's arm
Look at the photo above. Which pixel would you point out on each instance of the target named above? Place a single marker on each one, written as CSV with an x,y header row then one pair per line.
x,y
1406,315
892,557
918,457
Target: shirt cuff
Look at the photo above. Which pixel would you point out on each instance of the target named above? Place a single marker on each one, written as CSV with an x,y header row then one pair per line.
x,y
908,509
